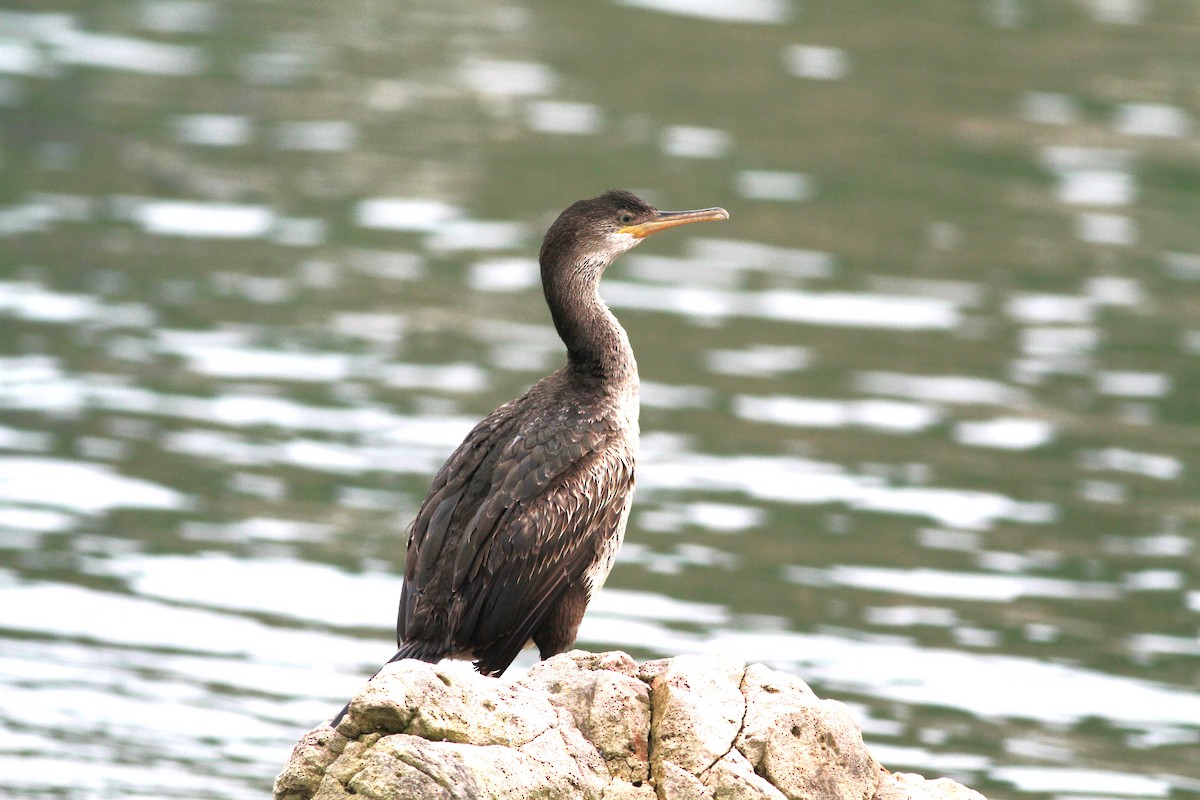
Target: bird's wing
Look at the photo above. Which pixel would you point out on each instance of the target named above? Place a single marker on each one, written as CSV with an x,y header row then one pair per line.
x,y
458,485
525,513
536,550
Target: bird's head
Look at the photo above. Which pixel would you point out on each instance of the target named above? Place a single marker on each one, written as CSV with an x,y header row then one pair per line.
x,y
590,234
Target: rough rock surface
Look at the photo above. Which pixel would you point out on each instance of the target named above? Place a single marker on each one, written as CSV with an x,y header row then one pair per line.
x,y
600,727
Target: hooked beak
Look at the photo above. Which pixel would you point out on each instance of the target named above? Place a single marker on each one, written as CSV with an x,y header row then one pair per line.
x,y
669,219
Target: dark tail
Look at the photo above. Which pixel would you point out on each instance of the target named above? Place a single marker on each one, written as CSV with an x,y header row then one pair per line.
x,y
422,651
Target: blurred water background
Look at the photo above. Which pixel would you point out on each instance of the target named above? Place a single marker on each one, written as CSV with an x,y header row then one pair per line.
x,y
920,422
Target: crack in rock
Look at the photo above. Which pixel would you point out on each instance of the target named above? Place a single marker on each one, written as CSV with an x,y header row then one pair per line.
x,y
738,732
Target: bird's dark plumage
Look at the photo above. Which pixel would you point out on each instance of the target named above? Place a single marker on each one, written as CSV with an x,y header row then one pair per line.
x,y
522,523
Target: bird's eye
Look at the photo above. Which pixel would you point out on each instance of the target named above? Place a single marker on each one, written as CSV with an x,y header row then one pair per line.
x,y
626,218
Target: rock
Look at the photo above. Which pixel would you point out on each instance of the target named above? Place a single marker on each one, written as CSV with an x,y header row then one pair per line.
x,y
596,726
607,703
904,786
698,711
784,717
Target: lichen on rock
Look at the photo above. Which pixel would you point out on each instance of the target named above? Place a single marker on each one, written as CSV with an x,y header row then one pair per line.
x,y
598,727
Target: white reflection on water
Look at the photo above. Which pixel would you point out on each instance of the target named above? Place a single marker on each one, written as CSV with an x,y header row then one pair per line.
x,y
320,456
1153,119
978,586
882,415
1062,158
44,387
398,453
720,517
504,275
44,208
105,775
922,759
318,136
663,395
1049,108
759,360
1129,383
32,217
1106,229
1075,781
1095,176
1005,433
562,117
910,616
1153,580
19,58
178,16
508,78
1096,188
690,272
1145,646
243,362
404,214
1118,12
805,482
204,220
1150,465
377,328
32,301
860,310
465,377
473,234
941,388
1054,349
1042,309
757,184
1110,290
80,486
1163,545
17,521
391,265
817,62
74,612
255,530
841,309
208,355
1182,266
213,130
688,141
741,256
762,11
81,48
279,587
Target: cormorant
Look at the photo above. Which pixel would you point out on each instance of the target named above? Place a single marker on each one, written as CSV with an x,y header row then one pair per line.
x,y
522,523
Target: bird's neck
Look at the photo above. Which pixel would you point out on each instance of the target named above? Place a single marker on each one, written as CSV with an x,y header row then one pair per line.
x,y
597,347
